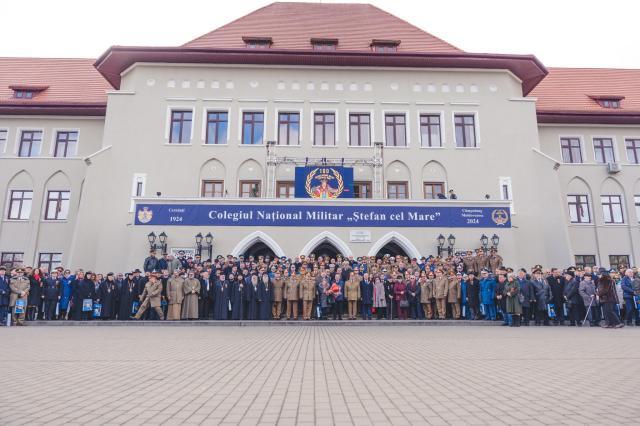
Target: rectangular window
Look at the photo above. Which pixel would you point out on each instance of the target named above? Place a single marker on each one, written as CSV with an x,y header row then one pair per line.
x,y
139,186
633,150
66,144
57,205
612,208
395,127
324,45
49,260
359,129
285,189
430,130
180,127
20,205
249,188
324,129
618,260
217,124
465,130
603,148
636,199
252,128
23,94
384,48
432,190
30,143
212,188
11,259
288,128
571,150
362,189
3,140
579,208
397,190
584,260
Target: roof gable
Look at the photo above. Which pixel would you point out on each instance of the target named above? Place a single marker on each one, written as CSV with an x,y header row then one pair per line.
x,y
292,26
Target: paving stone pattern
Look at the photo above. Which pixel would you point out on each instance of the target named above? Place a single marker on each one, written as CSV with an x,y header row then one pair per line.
x,y
319,375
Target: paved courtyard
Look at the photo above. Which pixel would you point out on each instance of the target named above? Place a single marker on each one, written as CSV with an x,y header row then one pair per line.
x,y
319,375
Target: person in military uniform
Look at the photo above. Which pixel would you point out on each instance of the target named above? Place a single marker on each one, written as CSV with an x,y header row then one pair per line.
x,y
494,260
307,294
352,293
453,294
174,296
481,261
426,294
278,289
191,290
19,291
292,291
151,297
440,287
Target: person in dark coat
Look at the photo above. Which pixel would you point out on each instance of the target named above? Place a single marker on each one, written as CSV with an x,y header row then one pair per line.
x,y
413,297
35,298
127,296
235,296
388,291
543,297
84,288
252,295
572,298
151,262
221,298
473,295
501,300
51,294
366,294
527,296
205,300
606,291
556,282
5,293
264,300
108,297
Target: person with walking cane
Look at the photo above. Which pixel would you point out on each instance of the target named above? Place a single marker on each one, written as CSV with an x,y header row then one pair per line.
x,y
587,291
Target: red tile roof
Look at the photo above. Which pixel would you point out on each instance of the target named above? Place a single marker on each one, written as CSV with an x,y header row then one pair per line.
x,y
68,84
292,25
573,91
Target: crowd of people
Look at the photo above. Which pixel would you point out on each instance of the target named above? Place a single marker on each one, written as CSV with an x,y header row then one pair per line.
x,y
470,286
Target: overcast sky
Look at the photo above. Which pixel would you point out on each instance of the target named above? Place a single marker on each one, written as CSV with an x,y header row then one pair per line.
x,y
569,33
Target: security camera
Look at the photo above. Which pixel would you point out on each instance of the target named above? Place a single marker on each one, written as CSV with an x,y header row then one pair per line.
x,y
158,193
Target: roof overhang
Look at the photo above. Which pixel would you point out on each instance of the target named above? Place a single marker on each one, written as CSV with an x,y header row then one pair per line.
x,y
118,58
586,117
53,108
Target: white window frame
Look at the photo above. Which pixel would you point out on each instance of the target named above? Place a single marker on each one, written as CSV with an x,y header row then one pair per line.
x,y
336,126
476,122
442,128
3,149
277,124
372,138
506,181
407,125
54,138
203,128
137,177
583,152
167,127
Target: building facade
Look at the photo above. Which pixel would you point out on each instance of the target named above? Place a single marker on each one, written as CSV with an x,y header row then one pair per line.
x,y
224,120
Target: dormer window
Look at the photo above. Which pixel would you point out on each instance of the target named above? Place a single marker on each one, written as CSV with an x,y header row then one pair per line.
x,y
324,43
385,46
258,42
612,102
26,92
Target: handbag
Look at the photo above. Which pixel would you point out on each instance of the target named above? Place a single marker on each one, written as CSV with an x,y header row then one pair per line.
x,y
404,303
520,298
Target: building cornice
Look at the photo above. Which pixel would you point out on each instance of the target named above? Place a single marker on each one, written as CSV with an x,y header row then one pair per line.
x,y
588,117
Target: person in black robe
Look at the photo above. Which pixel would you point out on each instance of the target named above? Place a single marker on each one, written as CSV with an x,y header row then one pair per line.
x,y
221,299
237,286
83,289
264,299
127,296
205,299
252,295
108,297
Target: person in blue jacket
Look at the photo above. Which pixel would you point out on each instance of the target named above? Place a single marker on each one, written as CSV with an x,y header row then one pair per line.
x,y
487,295
5,292
66,290
627,295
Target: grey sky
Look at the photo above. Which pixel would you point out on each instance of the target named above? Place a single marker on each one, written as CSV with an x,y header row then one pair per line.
x,y
567,33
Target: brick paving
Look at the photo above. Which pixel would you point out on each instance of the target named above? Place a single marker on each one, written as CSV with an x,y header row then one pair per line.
x,y
319,375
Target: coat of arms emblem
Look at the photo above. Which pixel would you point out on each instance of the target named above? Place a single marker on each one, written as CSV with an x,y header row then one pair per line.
x,y
145,215
324,182
500,216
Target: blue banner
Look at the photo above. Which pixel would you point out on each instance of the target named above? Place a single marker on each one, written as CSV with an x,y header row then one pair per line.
x,y
364,215
324,182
